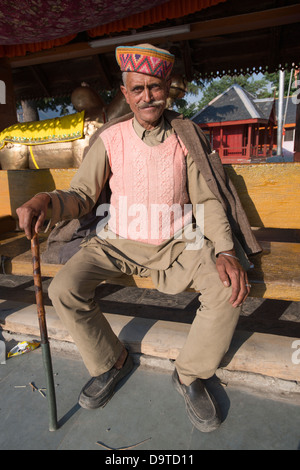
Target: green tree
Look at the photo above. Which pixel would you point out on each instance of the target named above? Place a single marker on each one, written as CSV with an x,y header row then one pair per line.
x,y
183,106
273,78
258,88
30,108
60,104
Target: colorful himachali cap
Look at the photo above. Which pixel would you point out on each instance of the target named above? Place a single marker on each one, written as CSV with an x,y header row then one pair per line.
x,y
146,59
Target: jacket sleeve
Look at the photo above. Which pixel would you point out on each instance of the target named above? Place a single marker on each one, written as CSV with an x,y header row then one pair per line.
x,y
85,187
215,225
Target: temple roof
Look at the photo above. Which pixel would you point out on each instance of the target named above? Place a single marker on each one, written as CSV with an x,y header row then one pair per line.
x,y
235,104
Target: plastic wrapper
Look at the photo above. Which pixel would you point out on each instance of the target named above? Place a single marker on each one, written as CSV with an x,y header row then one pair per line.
x,y
22,348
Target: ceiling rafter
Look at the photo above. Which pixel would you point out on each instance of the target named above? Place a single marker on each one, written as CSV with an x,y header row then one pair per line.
x,y
203,29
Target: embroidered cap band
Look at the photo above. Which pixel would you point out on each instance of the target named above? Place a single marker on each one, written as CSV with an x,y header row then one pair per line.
x,y
146,59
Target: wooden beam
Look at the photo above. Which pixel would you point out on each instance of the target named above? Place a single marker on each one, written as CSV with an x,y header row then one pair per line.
x,y
203,29
233,123
275,275
247,22
273,205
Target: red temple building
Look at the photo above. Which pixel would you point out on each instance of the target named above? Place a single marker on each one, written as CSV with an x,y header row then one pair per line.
x,y
239,126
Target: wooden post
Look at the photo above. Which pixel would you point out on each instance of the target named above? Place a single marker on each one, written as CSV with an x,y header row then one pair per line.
x,y
221,143
8,113
256,150
271,140
265,144
248,151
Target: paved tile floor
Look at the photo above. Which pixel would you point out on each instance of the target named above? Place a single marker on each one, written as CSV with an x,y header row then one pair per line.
x,y
145,408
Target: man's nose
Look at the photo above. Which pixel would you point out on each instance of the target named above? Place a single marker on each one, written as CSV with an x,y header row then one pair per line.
x,y
147,95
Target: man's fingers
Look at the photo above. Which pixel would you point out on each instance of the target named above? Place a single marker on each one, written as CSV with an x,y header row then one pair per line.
x,y
248,287
32,214
242,292
39,222
235,285
231,273
25,221
223,275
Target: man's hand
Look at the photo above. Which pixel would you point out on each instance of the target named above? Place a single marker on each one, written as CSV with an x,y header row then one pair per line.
x,y
33,213
232,273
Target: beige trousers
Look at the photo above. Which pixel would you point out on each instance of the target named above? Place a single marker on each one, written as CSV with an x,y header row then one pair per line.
x,y
72,293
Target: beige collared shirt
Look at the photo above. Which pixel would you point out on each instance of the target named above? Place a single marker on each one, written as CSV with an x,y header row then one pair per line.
x,y
157,135
94,171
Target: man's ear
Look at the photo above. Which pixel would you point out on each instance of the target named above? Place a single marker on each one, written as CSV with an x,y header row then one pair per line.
x,y
124,91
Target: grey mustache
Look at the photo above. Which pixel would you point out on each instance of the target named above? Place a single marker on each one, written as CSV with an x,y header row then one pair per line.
x,y
156,103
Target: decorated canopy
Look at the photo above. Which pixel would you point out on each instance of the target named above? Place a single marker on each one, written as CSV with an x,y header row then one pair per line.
x,y
54,45
33,25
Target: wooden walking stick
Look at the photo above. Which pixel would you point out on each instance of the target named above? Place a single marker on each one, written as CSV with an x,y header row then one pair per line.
x,y
35,250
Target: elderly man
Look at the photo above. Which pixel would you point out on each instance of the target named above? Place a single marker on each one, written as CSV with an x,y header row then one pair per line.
x,y
160,171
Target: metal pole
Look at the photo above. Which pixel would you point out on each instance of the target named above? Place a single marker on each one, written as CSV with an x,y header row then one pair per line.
x,y
280,113
287,97
35,249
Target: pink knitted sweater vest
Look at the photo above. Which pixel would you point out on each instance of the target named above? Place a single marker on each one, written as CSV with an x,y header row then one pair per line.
x,y
149,201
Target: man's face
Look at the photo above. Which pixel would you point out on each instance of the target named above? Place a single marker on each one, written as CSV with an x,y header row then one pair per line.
x,y
146,96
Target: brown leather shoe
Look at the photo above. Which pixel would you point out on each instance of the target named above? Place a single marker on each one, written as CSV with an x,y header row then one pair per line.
x,y
98,390
201,406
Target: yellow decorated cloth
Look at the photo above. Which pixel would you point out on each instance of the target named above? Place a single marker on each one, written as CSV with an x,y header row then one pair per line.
x,y
62,129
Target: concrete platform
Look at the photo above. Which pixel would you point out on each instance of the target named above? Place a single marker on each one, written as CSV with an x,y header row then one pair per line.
x,y
250,352
146,415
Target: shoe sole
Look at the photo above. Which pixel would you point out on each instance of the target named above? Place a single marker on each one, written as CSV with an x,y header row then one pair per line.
x,y
102,400
203,426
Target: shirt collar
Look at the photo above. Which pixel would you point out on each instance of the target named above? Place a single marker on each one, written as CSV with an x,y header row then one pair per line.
x,y
158,132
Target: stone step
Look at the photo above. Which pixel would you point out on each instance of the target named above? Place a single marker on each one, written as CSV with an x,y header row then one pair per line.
x,y
258,353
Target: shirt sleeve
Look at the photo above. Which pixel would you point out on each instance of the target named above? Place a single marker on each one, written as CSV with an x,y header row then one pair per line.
x,y
215,225
85,187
